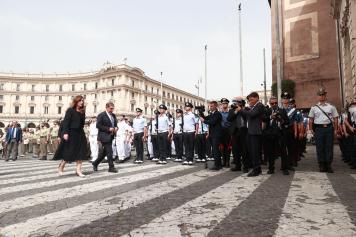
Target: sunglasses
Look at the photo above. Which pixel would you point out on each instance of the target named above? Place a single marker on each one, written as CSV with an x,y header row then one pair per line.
x,y
273,103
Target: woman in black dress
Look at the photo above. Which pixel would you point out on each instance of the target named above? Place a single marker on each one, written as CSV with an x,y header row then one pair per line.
x,y
73,146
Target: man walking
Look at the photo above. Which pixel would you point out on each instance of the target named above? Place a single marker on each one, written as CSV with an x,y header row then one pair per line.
x,y
13,138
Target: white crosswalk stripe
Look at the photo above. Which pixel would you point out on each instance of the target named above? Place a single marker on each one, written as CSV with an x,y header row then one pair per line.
x,y
313,208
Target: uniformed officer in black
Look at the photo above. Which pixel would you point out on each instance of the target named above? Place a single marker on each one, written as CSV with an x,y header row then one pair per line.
x,y
226,136
164,132
154,137
178,135
215,132
139,126
189,132
323,117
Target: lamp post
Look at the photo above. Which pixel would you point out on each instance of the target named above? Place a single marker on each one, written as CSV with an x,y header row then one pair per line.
x,y
240,45
278,52
161,87
206,76
264,75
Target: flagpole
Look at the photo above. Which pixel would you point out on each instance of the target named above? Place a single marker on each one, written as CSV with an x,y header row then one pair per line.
x,y
161,87
206,77
240,45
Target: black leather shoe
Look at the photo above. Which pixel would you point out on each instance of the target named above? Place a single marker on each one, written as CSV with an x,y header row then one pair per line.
x,y
245,170
270,172
322,168
43,158
235,169
112,170
285,172
291,169
95,167
216,168
253,173
329,169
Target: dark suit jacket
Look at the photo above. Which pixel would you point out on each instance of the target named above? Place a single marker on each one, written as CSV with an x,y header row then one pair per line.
x,y
214,122
254,118
18,134
235,119
103,124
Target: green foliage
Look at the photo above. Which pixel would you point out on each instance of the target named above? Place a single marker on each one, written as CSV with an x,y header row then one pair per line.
x,y
287,86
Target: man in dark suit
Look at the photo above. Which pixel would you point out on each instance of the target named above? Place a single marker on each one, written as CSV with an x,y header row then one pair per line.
x,y
215,132
13,138
254,118
107,125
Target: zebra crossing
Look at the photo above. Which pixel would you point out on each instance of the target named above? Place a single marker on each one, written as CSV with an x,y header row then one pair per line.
x,y
173,200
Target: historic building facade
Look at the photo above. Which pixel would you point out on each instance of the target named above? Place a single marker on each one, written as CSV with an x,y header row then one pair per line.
x,y
33,98
344,12
309,52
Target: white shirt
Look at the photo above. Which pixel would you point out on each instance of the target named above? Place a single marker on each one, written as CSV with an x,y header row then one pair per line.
x,y
319,116
204,129
139,124
177,125
163,123
352,111
189,122
111,119
123,127
152,129
93,131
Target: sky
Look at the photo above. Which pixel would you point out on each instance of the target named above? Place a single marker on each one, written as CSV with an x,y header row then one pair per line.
x,y
156,36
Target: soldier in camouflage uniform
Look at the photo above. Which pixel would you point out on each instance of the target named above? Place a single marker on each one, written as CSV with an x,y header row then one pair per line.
x,y
44,138
54,137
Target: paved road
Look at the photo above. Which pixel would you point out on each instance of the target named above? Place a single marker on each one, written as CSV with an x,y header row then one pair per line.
x,y
175,200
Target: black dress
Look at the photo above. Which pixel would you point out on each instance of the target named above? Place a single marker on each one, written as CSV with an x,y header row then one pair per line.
x,y
75,148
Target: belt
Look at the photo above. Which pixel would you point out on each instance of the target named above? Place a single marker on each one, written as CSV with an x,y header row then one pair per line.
x,y
177,132
43,136
188,131
163,131
323,125
202,133
55,137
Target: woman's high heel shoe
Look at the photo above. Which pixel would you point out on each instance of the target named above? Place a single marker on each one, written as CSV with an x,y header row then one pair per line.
x,y
80,174
60,169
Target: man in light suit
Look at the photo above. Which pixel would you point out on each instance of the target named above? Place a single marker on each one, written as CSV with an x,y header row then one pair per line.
x,y
13,138
107,125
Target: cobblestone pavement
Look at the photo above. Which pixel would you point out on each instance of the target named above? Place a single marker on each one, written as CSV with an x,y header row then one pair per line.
x,y
175,200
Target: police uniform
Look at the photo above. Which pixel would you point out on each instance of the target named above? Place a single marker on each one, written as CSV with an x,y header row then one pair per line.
x,y
178,136
324,132
200,139
189,130
139,125
164,126
295,120
226,137
350,142
154,138
44,137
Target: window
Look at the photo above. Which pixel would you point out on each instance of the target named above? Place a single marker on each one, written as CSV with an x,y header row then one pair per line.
x,y
32,98
132,107
17,109
181,99
85,86
96,85
60,87
168,104
32,109
59,110
73,87
113,82
1,97
164,94
94,108
133,83
169,95
47,88
145,110
152,90
146,88
157,91
46,110
1,109
84,96
146,98
112,93
132,95
151,100
17,97
17,87
46,98
151,111
96,96
60,98
2,86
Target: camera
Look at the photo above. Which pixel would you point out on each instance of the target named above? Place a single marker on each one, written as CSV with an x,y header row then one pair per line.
x,y
200,109
233,106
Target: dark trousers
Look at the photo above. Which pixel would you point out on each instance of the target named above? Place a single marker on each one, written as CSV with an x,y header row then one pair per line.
x,y
169,147
291,146
226,151
12,149
154,140
239,149
324,138
105,149
208,147
200,143
254,148
272,148
178,144
138,142
188,140
215,142
162,145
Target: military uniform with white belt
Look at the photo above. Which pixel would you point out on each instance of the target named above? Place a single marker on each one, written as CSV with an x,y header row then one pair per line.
x,y
163,131
140,133
178,135
323,118
189,131
201,140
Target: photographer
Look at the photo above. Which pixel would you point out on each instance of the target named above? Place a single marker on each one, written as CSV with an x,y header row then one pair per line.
x,y
275,119
238,132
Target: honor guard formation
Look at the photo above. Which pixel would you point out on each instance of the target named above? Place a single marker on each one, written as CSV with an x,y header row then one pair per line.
x,y
240,135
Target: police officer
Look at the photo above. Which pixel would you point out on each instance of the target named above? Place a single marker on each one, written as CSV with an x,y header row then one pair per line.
x,y
140,134
238,130
297,120
154,137
178,135
272,136
190,129
164,132
44,138
225,137
324,117
200,141
349,139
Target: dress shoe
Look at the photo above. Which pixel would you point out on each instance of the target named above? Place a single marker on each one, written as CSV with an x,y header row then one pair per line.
x,y
43,158
245,170
285,172
216,168
6,160
235,169
81,175
322,168
329,169
95,167
112,170
270,172
291,169
253,173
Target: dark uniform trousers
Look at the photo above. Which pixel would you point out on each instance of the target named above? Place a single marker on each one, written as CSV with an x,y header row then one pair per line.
x,y
168,148
208,147
138,142
291,146
154,140
188,140
162,145
178,144
105,149
254,146
324,138
215,142
273,147
225,140
201,145
239,148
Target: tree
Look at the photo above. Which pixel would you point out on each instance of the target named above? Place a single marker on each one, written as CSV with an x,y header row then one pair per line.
x,y
287,86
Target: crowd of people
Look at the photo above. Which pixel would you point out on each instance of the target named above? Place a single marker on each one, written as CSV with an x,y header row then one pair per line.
x,y
253,133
